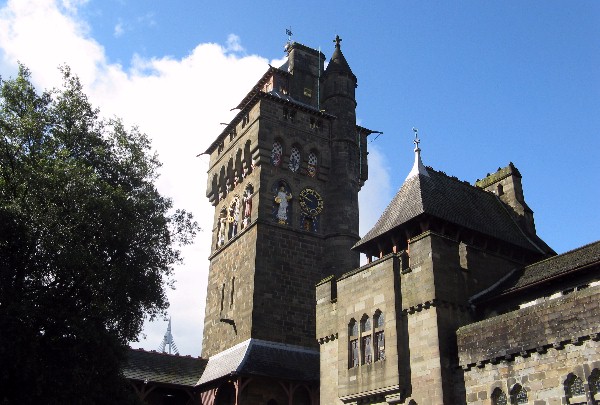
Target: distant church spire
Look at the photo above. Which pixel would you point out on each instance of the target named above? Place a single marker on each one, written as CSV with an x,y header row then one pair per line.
x,y
418,167
168,341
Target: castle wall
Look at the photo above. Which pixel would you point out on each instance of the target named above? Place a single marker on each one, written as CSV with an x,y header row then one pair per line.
x,y
536,347
229,292
360,293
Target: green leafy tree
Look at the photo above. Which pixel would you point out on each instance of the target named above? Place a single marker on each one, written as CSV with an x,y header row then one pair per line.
x,y
86,244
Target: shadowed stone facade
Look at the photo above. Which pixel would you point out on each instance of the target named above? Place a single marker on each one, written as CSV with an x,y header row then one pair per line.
x,y
477,308
284,178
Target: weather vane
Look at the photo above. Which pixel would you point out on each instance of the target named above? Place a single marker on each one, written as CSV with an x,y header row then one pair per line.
x,y
288,32
416,141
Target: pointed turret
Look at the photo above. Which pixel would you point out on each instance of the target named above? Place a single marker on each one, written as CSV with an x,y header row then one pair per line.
x,y
338,62
338,99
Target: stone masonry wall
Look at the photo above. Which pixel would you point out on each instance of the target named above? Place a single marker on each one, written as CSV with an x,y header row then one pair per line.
x,y
362,292
536,347
229,295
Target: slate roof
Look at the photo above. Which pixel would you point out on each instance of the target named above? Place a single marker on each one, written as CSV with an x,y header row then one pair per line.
x,y
260,357
163,368
454,201
545,270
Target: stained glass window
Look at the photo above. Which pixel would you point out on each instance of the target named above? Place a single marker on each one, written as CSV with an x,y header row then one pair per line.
x,y
575,387
379,320
366,346
312,164
294,164
353,353
276,154
519,395
379,346
366,324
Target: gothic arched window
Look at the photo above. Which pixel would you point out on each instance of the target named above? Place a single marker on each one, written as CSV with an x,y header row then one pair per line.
x,y
294,163
574,386
366,342
499,397
518,395
353,352
277,153
379,336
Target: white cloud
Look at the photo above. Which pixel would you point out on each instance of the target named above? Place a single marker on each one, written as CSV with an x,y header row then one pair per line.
x,y
177,102
234,43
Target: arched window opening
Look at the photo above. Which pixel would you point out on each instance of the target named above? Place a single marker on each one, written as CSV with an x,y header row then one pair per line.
x,y
247,164
294,163
312,164
366,343
237,170
379,336
518,395
574,387
499,397
500,189
277,154
353,352
222,184
229,176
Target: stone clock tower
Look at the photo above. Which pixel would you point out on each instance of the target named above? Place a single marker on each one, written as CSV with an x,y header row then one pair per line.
x,y
284,178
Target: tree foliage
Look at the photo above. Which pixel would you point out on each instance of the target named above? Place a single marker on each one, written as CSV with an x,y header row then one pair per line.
x,y
86,244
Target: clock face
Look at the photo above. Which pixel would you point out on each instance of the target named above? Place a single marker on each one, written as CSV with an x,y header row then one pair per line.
x,y
311,202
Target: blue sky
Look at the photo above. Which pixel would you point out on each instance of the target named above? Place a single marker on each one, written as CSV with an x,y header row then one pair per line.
x,y
486,83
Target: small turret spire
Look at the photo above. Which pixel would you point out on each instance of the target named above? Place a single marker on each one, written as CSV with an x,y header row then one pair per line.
x,y
337,41
418,167
168,341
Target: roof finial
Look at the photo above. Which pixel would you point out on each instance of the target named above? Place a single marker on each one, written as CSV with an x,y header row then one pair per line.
x,y
417,140
418,167
337,41
168,341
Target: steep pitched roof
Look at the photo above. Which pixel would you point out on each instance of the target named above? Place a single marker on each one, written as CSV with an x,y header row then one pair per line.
x,y
338,62
260,357
454,201
163,368
544,270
